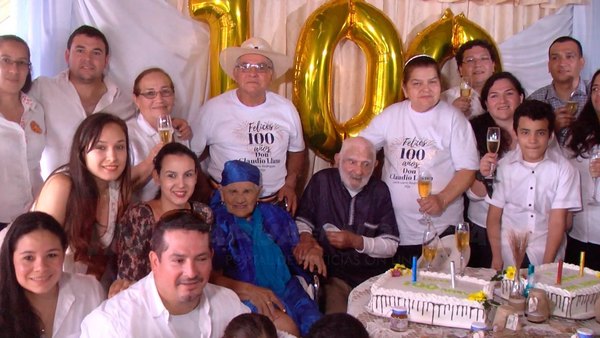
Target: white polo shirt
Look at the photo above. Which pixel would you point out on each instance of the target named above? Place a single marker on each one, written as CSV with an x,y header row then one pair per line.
x,y
64,112
527,192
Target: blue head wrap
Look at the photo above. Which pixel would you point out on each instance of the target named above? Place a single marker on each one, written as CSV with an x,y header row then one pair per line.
x,y
239,171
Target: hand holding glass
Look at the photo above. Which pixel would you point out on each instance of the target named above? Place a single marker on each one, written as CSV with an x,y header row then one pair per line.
x,y
424,185
493,145
461,234
165,128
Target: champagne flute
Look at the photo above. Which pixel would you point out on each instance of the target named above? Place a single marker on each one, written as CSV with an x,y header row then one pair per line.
x,y
424,185
594,156
429,245
493,145
465,87
461,234
165,128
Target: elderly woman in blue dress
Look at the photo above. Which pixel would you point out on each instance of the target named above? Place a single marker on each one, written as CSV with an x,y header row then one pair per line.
x,y
253,243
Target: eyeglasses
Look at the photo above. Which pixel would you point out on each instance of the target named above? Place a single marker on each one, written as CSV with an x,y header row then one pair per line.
x,y
259,67
471,60
165,92
6,62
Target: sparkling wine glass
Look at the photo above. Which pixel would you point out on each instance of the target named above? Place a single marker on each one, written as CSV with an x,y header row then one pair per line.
x,y
594,156
465,87
461,234
493,145
165,128
429,245
424,184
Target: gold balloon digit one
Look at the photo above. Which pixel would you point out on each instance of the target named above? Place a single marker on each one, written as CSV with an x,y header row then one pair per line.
x,y
442,38
376,35
228,22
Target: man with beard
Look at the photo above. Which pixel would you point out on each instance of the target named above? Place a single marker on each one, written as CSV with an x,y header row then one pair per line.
x,y
175,299
351,217
567,93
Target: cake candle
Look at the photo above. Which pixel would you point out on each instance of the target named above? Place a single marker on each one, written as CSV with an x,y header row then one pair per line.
x,y
452,275
559,272
581,263
414,269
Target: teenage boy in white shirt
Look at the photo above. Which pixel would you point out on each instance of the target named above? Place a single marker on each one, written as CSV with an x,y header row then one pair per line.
x,y
536,187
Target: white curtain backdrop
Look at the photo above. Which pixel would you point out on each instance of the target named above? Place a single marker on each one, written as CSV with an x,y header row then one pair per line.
x,y
145,33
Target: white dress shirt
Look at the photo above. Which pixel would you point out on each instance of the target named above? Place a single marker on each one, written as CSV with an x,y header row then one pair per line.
x,y
528,193
21,146
64,112
454,93
586,223
78,295
139,312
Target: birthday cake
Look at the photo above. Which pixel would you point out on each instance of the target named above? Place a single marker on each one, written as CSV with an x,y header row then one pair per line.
x,y
431,300
576,296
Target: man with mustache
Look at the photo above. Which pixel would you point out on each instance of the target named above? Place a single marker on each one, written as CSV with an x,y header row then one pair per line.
x,y
175,299
568,92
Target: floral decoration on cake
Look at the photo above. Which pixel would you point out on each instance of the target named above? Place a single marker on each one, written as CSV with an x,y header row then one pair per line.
x,y
508,273
481,298
400,270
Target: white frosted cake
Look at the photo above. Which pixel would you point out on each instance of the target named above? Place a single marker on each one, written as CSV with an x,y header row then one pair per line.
x,y
576,296
431,300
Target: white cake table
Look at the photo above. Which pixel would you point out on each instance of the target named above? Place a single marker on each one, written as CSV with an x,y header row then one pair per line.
x,y
378,327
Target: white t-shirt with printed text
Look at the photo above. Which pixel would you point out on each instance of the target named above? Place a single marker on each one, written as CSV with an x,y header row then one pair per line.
x,y
439,140
260,135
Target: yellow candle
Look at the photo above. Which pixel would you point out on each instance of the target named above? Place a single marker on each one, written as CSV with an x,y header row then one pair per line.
x,y
581,263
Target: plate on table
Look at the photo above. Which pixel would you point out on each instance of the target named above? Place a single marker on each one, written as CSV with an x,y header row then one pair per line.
x,y
446,252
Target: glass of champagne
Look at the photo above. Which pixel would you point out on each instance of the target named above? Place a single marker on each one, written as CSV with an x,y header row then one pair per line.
x,y
461,234
594,156
429,246
165,128
424,185
465,87
493,145
572,107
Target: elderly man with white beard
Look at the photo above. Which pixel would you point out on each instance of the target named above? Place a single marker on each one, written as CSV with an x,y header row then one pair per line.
x,y
346,217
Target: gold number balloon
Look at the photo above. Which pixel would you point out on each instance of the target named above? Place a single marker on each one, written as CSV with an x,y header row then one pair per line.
x,y
229,22
442,39
375,34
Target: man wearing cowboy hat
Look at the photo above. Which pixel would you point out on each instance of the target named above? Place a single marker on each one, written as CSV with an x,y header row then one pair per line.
x,y
253,124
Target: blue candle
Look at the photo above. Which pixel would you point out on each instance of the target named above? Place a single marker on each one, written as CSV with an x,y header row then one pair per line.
x,y
414,269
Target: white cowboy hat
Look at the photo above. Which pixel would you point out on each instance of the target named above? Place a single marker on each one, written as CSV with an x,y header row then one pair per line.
x,y
254,45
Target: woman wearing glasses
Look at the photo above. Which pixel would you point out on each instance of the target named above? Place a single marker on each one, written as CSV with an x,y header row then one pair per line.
x,y
22,131
175,172
154,96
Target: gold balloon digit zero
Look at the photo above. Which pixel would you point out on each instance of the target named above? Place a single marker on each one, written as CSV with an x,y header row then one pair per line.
x,y
376,36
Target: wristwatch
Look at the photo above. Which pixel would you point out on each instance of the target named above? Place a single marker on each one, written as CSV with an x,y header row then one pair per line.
x,y
479,176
